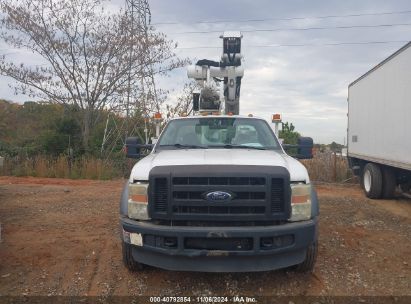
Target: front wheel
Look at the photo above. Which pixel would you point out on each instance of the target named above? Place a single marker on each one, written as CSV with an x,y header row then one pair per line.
x,y
310,258
128,260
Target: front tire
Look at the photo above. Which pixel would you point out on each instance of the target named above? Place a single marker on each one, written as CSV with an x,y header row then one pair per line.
x,y
372,181
128,260
310,258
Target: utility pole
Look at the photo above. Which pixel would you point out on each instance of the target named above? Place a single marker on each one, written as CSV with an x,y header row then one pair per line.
x,y
140,19
140,15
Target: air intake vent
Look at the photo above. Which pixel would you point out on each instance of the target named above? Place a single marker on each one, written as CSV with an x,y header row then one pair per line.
x,y
222,181
160,195
277,195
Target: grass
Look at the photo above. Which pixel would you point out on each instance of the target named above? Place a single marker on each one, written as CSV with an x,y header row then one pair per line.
x,y
63,167
324,167
328,167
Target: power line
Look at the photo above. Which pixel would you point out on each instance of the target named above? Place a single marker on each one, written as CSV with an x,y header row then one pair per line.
x,y
286,19
300,29
300,45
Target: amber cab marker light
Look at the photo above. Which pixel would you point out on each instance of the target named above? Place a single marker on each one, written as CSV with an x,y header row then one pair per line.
x,y
276,117
299,199
139,198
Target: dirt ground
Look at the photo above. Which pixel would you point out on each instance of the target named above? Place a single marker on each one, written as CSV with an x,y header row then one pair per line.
x,y
61,237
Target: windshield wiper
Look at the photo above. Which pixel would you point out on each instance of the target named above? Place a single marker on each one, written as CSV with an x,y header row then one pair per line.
x,y
229,146
181,146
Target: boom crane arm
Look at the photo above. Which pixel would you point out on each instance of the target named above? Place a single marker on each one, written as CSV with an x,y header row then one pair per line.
x,y
229,69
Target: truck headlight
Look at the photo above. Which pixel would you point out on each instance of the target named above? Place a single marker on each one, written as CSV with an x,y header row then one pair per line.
x,y
138,201
300,202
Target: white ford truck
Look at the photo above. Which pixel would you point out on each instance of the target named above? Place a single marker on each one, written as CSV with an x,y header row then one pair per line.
x,y
218,194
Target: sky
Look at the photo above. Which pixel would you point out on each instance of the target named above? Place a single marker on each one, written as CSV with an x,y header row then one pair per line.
x,y
292,69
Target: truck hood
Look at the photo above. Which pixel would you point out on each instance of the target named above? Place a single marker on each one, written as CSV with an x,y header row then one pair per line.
x,y
239,157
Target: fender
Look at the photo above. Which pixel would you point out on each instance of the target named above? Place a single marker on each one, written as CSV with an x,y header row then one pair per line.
x,y
315,210
124,200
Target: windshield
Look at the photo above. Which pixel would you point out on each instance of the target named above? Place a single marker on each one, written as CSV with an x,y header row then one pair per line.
x,y
216,132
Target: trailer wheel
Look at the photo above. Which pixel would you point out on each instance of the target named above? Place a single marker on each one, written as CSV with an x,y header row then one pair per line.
x,y
372,181
310,258
128,260
361,178
389,183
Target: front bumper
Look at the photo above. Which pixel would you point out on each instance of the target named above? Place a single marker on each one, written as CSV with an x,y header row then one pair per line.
x,y
171,247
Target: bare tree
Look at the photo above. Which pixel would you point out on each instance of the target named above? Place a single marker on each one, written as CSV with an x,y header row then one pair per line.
x,y
184,104
87,50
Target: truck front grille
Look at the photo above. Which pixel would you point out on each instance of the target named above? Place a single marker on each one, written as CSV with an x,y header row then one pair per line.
x,y
237,195
181,196
161,195
277,195
221,181
218,210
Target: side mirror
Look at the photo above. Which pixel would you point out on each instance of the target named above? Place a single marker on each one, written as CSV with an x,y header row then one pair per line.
x,y
133,147
305,148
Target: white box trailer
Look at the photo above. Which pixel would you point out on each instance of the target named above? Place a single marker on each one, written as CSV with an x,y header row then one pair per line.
x,y
379,125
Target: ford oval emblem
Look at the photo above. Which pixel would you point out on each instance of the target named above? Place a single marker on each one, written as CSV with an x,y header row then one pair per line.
x,y
218,196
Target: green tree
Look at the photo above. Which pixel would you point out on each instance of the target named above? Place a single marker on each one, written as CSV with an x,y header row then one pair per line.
x,y
62,137
288,134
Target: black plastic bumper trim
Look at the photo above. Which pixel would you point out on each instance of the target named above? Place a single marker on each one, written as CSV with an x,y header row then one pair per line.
x,y
257,259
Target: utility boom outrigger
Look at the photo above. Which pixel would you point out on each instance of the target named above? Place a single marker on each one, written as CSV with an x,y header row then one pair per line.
x,y
228,70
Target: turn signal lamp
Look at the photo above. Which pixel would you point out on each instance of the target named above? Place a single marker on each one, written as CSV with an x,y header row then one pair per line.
x,y
300,202
137,201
